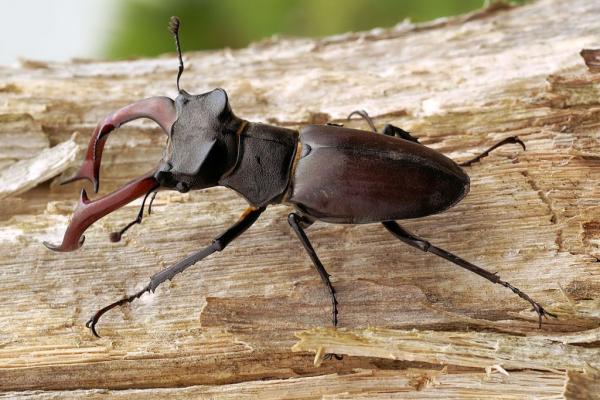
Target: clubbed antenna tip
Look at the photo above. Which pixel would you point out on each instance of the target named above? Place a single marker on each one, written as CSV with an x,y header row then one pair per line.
x,y
174,29
174,26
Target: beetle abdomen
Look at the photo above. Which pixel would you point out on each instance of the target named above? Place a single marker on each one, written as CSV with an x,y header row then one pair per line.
x,y
352,176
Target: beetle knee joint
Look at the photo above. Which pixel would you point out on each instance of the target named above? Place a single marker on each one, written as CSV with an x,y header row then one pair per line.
x,y
423,245
218,245
293,219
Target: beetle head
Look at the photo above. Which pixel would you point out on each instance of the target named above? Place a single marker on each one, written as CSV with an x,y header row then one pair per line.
x,y
203,142
202,147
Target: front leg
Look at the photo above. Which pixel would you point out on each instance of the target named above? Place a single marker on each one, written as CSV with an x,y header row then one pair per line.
x,y
219,243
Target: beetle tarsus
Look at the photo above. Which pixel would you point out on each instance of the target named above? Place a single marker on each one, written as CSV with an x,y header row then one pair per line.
x,y
508,140
541,311
399,232
296,222
92,322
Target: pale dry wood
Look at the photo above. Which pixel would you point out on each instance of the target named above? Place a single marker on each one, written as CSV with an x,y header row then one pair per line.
x,y
368,384
583,385
468,349
21,136
458,84
23,175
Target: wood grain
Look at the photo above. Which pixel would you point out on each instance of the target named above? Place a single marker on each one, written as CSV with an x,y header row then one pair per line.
x,y
225,328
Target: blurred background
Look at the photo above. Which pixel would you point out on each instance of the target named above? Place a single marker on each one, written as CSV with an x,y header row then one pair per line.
x,y
117,29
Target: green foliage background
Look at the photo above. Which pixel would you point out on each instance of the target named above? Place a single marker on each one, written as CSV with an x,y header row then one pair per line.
x,y
211,24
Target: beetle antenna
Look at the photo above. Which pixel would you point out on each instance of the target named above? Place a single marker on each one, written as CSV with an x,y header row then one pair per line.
x,y
151,201
116,236
174,29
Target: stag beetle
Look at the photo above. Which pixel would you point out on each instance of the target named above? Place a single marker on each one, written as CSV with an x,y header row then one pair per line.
x,y
325,172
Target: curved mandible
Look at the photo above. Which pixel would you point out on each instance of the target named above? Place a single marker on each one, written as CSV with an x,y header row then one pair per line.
x,y
159,109
88,212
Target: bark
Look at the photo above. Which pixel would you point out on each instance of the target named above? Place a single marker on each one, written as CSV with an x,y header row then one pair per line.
x,y
412,325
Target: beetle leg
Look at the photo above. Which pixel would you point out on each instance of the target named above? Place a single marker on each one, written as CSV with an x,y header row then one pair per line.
x,y
365,116
159,109
152,201
391,130
508,140
395,229
88,212
388,130
218,244
296,222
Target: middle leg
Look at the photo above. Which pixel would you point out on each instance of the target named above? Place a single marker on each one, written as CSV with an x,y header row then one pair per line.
x,y
297,223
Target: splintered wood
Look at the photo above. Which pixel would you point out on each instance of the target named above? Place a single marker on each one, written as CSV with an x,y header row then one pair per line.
x,y
23,175
411,325
469,349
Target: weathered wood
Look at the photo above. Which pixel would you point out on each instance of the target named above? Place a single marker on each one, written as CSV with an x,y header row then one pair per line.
x,y
229,323
467,349
368,384
23,175
583,385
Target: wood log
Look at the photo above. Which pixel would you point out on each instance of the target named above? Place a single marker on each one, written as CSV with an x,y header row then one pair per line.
x,y
411,325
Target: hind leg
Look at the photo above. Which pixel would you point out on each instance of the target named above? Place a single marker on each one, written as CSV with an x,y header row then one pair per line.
x,y
400,233
388,130
391,130
508,140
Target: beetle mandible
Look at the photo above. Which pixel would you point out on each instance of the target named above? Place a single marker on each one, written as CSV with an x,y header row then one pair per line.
x,y
325,172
